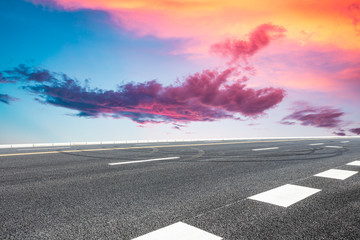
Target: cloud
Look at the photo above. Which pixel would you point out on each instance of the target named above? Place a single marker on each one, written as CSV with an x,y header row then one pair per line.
x,y
341,132
23,72
354,14
355,131
203,96
4,98
259,38
322,117
4,80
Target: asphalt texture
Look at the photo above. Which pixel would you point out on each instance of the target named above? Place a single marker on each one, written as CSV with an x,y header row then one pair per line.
x,y
73,192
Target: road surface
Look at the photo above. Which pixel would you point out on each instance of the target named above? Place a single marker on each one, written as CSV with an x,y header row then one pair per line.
x,y
243,189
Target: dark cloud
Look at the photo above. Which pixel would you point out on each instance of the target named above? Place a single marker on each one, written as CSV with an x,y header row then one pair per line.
x,y
355,131
4,98
258,39
340,132
323,117
26,73
5,80
205,96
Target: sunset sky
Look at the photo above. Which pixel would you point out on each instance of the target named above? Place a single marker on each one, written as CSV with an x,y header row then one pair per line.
x,y
97,70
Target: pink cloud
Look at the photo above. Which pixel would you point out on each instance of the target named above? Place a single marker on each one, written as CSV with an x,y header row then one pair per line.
x,y
203,96
259,38
322,117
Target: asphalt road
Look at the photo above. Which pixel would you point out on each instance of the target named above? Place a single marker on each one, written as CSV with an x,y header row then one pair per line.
x,y
208,187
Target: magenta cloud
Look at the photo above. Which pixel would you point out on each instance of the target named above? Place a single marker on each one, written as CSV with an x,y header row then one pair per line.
x,y
203,96
355,131
322,117
259,38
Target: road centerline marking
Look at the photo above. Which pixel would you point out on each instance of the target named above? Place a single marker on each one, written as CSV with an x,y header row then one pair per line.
x,y
141,161
336,174
285,195
178,231
265,149
316,144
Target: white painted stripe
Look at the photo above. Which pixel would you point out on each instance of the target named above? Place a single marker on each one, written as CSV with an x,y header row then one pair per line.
x,y
179,231
316,144
345,141
264,149
141,161
354,163
334,146
285,195
336,174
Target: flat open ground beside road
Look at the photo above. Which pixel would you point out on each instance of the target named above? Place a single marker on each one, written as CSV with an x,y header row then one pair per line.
x,y
260,189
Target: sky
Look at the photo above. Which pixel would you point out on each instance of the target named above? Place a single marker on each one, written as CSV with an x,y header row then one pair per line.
x,y
104,70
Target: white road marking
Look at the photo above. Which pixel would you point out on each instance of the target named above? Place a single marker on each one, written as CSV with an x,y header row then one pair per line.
x,y
334,146
264,149
141,161
23,149
354,163
179,231
285,195
316,144
336,174
345,141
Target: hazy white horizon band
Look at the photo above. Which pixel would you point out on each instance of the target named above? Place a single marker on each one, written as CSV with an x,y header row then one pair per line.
x,y
31,145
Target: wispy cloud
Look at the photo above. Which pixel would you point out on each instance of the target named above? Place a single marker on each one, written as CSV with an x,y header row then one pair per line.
x,y
259,38
4,98
355,131
307,115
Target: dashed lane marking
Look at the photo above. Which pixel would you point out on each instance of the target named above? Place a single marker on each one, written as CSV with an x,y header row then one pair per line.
x,y
285,195
336,174
179,231
354,163
334,146
265,149
345,141
316,144
141,161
